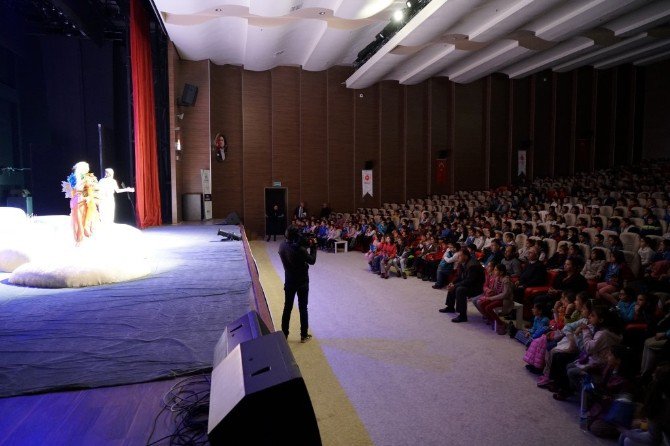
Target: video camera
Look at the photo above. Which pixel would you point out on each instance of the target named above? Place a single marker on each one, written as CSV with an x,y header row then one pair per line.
x,y
294,235
306,240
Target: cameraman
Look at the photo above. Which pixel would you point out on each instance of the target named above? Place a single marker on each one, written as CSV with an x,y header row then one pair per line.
x,y
296,259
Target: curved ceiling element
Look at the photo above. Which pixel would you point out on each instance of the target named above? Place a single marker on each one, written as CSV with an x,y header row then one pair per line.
x,y
545,59
486,61
463,40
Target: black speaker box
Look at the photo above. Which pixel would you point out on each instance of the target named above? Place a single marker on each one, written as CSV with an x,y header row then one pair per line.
x,y
258,397
189,95
231,219
248,327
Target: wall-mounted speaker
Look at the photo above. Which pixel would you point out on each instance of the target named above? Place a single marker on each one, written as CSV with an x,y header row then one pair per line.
x,y
258,396
189,95
369,165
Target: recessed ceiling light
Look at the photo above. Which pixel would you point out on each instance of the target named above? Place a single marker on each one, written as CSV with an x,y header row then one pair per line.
x,y
398,15
218,10
322,12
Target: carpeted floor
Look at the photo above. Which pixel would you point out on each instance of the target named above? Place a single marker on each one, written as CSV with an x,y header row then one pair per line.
x,y
410,375
161,326
339,423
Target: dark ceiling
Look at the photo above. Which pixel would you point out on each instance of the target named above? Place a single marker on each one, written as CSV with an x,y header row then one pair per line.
x,y
91,19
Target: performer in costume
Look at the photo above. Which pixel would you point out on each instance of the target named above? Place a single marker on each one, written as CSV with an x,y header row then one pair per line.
x,y
107,187
81,189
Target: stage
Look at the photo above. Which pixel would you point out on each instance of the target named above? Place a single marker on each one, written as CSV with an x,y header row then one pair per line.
x,y
158,327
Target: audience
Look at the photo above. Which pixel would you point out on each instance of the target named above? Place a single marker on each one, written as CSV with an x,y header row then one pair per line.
x,y
600,235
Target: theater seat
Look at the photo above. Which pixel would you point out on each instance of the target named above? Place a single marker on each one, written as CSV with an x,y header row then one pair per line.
x,y
531,293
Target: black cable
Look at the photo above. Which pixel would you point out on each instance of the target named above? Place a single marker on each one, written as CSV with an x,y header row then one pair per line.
x,y
188,401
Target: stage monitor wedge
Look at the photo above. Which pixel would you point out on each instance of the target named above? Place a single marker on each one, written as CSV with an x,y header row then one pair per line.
x,y
258,396
248,327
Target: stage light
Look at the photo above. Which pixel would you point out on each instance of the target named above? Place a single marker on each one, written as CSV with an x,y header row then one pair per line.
x,y
409,4
228,236
398,15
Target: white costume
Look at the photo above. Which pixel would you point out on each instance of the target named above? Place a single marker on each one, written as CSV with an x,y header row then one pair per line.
x,y
107,187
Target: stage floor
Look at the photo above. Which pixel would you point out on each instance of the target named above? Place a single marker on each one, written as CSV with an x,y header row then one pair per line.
x,y
156,327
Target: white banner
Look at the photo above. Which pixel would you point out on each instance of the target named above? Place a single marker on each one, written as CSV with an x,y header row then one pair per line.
x,y
367,182
206,180
521,168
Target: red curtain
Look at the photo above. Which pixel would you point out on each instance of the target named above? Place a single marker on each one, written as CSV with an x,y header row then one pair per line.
x,y
148,206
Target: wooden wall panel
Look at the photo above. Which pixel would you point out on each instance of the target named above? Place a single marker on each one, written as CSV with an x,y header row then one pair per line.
x,y
310,132
542,141
366,143
605,111
392,163
584,122
314,139
521,124
341,171
175,173
562,152
451,134
439,131
195,128
499,131
654,111
226,117
257,137
624,115
468,142
416,161
286,166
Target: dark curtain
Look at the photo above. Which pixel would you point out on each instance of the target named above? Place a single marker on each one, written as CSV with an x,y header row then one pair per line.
x,y
148,206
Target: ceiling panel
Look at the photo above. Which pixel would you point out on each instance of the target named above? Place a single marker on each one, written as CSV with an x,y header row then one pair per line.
x,y
641,53
575,16
463,40
653,14
544,59
486,61
439,66
223,40
602,53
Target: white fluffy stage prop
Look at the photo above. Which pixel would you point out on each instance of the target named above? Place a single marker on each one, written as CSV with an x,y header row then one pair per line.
x,y
41,252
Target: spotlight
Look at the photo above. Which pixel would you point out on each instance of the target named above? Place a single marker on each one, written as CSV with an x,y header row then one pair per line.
x,y
398,15
409,4
227,236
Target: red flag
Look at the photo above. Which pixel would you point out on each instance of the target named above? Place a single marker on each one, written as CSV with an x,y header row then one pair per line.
x,y
441,172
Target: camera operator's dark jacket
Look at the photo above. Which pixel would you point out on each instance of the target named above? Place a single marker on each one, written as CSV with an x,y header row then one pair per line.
x,y
296,260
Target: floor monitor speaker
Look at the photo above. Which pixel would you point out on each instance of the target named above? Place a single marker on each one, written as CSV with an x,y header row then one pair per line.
x,y
258,396
231,219
248,327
